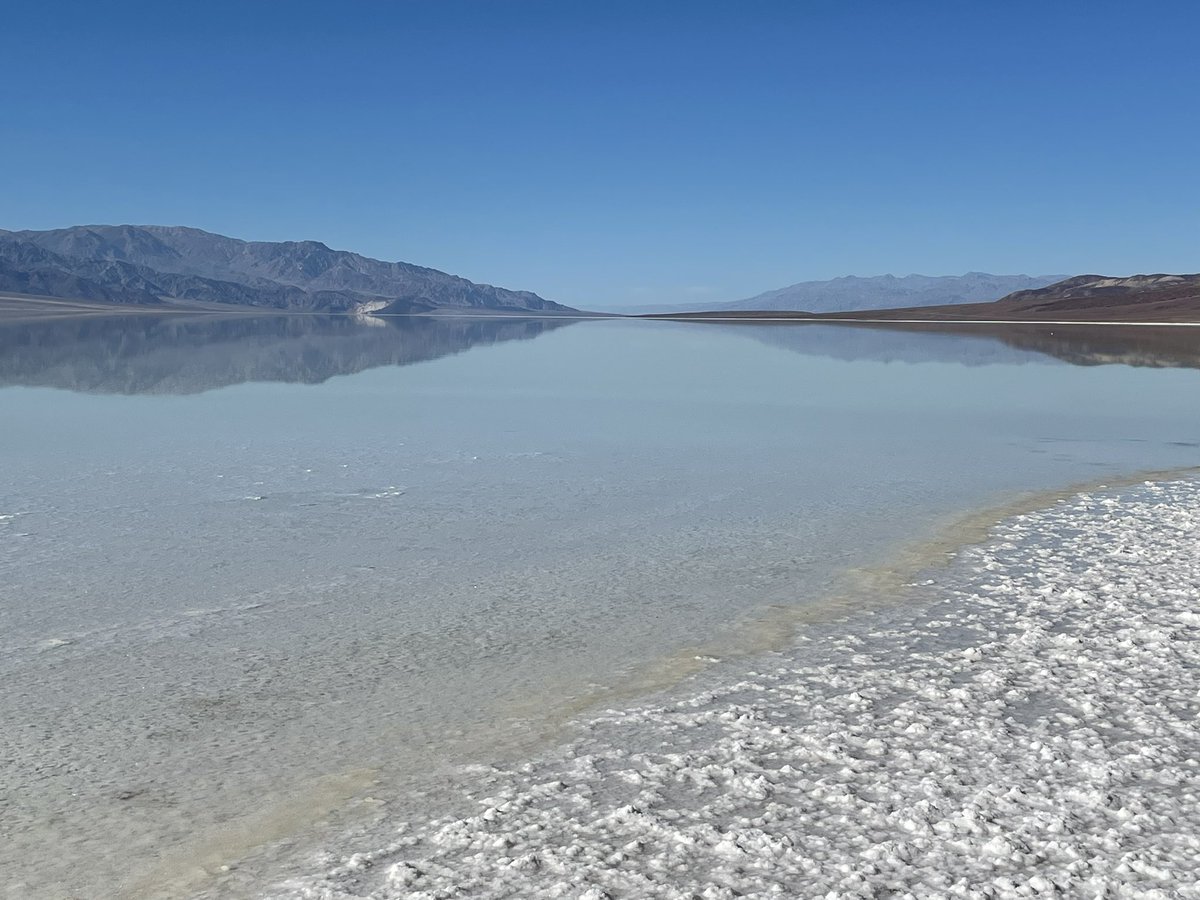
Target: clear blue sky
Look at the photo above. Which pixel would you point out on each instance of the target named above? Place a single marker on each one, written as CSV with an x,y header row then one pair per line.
x,y
617,152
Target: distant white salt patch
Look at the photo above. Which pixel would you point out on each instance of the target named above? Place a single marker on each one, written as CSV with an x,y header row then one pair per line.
x,y
390,491
1033,732
373,493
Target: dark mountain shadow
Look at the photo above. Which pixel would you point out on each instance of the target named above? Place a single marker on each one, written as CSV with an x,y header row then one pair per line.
x,y
978,345
178,354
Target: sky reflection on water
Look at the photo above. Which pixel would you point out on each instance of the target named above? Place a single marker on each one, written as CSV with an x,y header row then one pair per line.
x,y
238,554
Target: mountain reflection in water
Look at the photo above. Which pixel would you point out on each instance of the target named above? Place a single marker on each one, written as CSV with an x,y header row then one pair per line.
x,y
983,344
192,354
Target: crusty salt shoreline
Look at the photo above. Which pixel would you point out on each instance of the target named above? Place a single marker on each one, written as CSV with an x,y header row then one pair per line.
x,y
1032,731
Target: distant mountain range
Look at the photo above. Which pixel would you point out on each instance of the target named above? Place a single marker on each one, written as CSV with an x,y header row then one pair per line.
x,y
1099,298
853,292
885,291
1084,298
153,264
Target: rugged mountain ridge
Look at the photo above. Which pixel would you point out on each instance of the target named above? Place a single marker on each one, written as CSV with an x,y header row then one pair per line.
x,y
146,264
1109,290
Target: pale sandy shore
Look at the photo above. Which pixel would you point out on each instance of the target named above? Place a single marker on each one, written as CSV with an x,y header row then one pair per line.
x,y
1029,729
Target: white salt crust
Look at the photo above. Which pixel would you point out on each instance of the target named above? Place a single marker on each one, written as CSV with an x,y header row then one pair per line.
x,y
1031,732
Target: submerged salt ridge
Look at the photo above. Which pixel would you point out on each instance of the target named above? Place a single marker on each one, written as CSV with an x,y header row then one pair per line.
x,y
1032,731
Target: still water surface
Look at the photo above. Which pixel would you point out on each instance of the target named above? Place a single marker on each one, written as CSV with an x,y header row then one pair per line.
x,y
253,571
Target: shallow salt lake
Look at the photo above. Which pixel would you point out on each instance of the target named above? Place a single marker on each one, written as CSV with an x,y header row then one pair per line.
x,y
260,575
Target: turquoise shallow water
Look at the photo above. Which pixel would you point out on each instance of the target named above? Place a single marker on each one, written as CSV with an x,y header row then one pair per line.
x,y
242,557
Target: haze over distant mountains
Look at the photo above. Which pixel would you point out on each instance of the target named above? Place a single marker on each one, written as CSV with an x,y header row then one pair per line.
x,y
154,263
1146,299
883,291
853,292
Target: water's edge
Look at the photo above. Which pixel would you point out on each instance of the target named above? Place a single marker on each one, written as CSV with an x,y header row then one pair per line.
x,y
1031,729
241,857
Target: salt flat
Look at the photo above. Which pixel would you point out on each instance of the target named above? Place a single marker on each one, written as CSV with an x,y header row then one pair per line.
x,y
1032,731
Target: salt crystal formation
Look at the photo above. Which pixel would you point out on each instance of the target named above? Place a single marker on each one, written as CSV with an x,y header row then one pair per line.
x,y
1031,732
